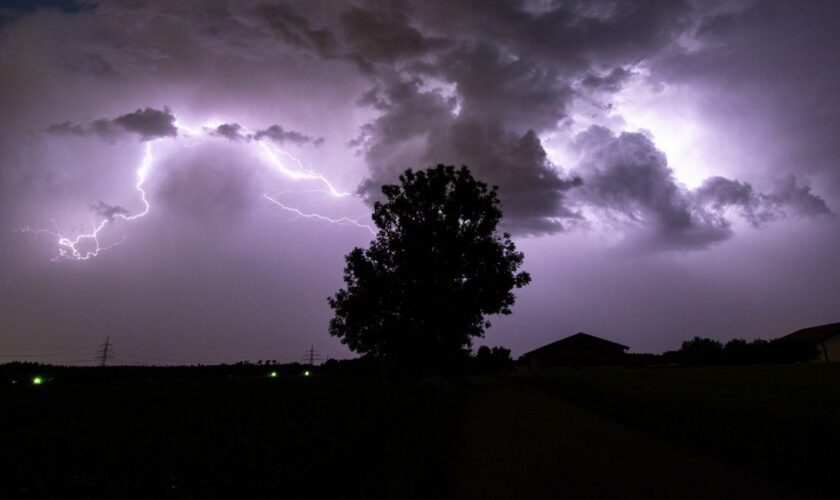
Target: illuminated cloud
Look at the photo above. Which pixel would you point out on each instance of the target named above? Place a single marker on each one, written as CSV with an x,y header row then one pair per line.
x,y
726,196
486,93
628,178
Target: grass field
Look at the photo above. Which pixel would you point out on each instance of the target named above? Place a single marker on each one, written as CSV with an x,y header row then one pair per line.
x,y
247,437
782,422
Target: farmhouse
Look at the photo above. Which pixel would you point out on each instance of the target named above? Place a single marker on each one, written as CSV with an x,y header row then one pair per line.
x,y
580,349
826,338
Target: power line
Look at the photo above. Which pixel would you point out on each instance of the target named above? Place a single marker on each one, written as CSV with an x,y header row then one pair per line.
x,y
168,361
105,352
106,356
311,355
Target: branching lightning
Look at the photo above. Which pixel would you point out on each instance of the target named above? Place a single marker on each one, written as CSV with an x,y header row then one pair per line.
x,y
271,152
72,248
297,213
87,245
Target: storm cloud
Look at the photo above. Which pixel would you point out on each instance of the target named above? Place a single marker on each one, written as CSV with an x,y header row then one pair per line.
x,y
108,211
209,184
147,123
279,135
484,85
689,132
628,178
489,124
274,133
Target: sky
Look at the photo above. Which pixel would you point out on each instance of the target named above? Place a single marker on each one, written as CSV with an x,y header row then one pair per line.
x,y
186,177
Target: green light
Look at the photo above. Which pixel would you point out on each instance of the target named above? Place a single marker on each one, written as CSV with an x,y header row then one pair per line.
x,y
37,380
272,374
306,373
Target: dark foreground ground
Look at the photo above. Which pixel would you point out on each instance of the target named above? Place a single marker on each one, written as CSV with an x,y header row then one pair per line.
x,y
747,432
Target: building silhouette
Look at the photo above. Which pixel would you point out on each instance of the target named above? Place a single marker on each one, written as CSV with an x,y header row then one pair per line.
x,y
826,338
580,349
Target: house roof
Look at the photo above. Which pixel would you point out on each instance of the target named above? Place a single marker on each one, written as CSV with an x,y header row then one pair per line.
x,y
815,333
578,342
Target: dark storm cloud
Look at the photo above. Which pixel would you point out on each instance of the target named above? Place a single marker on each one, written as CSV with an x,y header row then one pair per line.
x,y
10,10
91,64
609,82
719,193
477,83
109,211
152,124
274,133
232,131
421,127
532,189
788,197
791,194
291,25
69,6
490,125
482,83
384,35
474,83
280,135
629,178
148,123
571,35
493,86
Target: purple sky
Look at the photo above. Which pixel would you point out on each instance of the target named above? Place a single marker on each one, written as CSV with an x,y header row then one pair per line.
x,y
670,169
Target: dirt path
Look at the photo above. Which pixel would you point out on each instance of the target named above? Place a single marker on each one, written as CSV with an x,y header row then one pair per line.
x,y
518,442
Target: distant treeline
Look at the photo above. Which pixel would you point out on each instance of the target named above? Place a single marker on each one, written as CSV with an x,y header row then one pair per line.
x,y
705,351
485,360
23,372
695,352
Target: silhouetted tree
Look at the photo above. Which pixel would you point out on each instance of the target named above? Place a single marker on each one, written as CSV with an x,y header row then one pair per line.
x,y
418,295
705,351
490,360
741,352
700,351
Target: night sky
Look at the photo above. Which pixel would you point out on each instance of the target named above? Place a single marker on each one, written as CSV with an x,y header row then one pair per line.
x,y
669,168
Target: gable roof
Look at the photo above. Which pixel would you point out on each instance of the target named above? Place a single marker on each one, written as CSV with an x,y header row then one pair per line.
x,y
578,342
815,333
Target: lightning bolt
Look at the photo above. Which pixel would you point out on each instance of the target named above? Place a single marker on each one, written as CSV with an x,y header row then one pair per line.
x,y
272,152
299,213
87,245
72,248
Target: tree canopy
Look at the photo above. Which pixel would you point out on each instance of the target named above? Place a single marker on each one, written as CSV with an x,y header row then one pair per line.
x,y
437,267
